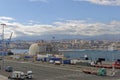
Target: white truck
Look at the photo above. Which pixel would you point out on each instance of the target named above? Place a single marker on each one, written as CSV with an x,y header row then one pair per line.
x,y
19,75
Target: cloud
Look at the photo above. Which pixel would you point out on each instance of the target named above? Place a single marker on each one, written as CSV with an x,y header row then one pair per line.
x,y
69,28
103,2
80,27
6,18
45,1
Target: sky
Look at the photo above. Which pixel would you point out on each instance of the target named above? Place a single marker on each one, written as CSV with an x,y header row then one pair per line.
x,y
63,19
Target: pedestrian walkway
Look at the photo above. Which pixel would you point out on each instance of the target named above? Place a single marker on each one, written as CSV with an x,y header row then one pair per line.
x,y
3,77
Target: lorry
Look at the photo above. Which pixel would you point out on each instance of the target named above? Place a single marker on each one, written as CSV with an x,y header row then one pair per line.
x,y
19,75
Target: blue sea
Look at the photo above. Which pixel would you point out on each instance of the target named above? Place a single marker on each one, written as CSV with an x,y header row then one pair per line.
x,y
79,54
92,54
20,51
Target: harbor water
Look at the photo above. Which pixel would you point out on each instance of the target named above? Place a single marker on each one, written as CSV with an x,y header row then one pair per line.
x,y
79,54
92,54
20,51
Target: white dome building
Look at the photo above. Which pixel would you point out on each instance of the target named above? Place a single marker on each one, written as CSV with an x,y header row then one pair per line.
x,y
40,48
35,49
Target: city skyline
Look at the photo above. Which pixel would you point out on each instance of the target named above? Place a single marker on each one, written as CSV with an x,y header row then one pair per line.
x,y
63,19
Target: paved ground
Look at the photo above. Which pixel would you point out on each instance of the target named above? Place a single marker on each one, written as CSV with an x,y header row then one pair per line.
x,y
3,77
43,72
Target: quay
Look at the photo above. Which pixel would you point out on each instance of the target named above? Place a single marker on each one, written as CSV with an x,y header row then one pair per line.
x,y
44,71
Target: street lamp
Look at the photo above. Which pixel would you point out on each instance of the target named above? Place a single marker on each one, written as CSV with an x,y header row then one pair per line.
x,y
111,48
3,48
3,31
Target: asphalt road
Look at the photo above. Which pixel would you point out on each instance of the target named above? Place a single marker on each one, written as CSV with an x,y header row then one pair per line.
x,y
42,72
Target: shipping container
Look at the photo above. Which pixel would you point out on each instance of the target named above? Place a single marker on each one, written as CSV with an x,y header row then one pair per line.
x,y
55,59
66,61
27,57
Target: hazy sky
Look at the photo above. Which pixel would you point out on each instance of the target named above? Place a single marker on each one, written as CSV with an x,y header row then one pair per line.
x,y
60,18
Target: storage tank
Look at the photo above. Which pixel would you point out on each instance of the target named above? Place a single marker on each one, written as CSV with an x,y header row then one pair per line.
x,y
40,48
34,49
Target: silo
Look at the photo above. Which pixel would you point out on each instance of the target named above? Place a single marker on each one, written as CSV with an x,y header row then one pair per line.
x,y
34,48
41,48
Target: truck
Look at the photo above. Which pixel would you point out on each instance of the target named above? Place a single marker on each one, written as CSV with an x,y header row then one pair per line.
x,y
19,75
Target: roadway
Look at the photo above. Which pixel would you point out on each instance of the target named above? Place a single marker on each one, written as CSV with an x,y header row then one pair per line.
x,y
3,77
54,72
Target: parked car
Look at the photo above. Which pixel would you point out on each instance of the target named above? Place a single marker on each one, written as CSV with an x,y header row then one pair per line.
x,y
9,69
29,75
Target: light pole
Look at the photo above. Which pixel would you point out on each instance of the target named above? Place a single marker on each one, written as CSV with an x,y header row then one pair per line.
x,y
111,48
3,47
3,25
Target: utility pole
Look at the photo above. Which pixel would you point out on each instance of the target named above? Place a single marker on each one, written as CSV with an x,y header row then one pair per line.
x,y
3,47
54,45
111,48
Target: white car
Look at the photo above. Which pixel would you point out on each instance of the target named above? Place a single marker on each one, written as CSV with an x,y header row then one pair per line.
x,y
57,62
29,75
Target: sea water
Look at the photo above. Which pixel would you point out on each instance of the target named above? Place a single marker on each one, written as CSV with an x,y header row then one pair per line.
x,y
20,51
79,54
92,54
